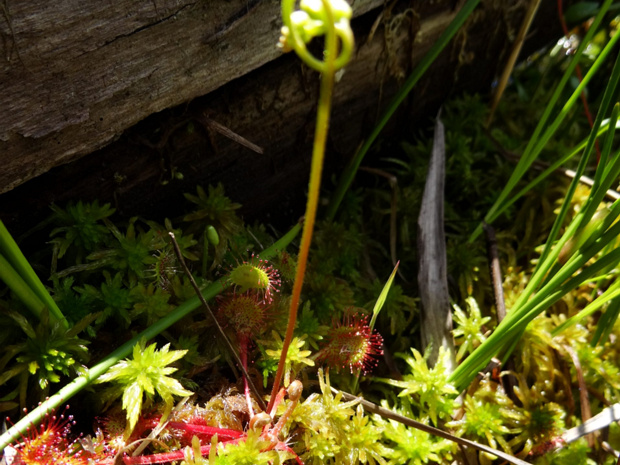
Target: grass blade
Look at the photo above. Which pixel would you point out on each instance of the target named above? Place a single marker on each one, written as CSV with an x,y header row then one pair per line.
x,y
539,139
10,249
382,297
20,428
349,173
21,289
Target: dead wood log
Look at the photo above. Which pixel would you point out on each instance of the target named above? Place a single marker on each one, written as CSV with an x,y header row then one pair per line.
x,y
77,77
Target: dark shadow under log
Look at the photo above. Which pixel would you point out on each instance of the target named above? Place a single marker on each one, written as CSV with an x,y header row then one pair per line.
x,y
80,85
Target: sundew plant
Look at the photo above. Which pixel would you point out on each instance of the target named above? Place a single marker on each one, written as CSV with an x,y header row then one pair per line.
x,y
232,345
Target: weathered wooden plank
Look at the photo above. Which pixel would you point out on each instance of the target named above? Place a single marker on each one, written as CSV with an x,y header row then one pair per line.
x,y
273,106
75,74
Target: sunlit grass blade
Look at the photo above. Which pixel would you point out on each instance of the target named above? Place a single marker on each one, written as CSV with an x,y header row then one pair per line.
x,y
65,393
518,319
20,288
554,166
19,264
541,136
606,175
550,255
349,173
563,280
611,293
382,297
606,323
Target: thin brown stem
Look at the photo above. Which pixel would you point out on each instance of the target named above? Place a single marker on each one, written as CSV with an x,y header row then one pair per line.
x,y
386,413
495,269
221,332
586,412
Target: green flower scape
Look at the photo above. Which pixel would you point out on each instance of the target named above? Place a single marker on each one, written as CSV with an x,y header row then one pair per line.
x,y
299,338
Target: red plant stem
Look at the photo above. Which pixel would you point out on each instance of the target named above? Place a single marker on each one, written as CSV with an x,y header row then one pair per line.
x,y
166,457
176,455
318,154
276,403
222,433
584,100
284,447
243,353
275,431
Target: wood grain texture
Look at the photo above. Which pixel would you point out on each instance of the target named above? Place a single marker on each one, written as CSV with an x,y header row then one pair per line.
x,y
274,107
436,312
75,74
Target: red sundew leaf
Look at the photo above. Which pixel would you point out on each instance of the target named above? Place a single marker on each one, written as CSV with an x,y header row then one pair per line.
x,y
351,342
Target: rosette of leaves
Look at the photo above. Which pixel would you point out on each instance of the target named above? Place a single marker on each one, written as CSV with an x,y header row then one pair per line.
x,y
309,325
485,417
336,432
428,388
75,305
132,253
537,421
468,333
113,297
143,376
48,352
80,227
297,357
411,446
149,302
255,450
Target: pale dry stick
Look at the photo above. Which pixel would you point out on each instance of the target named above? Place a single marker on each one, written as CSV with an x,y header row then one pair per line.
x,y
225,131
208,124
386,413
163,422
612,195
610,450
118,458
514,54
597,422
231,348
436,313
